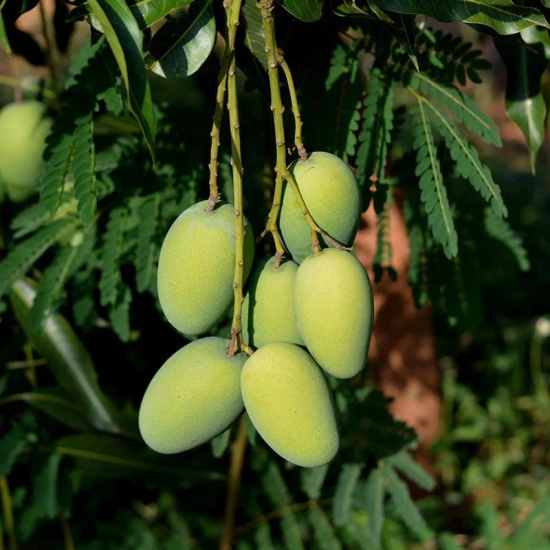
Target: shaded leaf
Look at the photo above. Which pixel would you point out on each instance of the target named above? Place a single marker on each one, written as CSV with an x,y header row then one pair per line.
x,y
220,443
501,15
125,39
312,479
323,530
3,36
45,488
347,481
10,447
104,455
374,504
56,403
406,464
180,47
254,37
525,105
305,10
67,357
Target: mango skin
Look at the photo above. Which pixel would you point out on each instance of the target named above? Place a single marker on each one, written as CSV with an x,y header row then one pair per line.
x,y
288,401
332,196
197,267
193,397
24,127
334,308
268,311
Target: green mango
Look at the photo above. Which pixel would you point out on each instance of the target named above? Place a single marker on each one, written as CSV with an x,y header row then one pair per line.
x,y
333,304
196,267
268,313
288,401
332,196
193,397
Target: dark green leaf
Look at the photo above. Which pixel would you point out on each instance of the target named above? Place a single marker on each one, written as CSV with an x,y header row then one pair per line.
x,y
182,45
323,530
45,488
55,402
125,39
406,464
347,481
501,15
305,10
69,360
149,12
109,456
525,105
312,479
374,504
254,37
10,447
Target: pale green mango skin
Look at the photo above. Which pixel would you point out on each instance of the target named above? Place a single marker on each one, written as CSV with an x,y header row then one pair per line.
x,y
196,267
193,397
288,401
333,198
23,131
334,308
268,311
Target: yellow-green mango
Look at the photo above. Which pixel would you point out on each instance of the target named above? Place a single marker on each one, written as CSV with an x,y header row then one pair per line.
x,y
288,401
24,127
332,196
333,304
268,312
193,397
197,267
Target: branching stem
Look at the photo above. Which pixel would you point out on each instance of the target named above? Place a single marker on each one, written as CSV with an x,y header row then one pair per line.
x,y
233,10
281,170
295,110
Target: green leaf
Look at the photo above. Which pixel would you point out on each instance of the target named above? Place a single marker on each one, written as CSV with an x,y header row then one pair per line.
x,y
534,528
254,37
10,447
151,11
434,193
104,455
146,246
220,443
56,403
125,39
67,357
490,527
347,481
405,507
525,105
503,16
406,464
181,46
22,257
374,501
323,530
45,498
448,542
312,479
305,10
3,36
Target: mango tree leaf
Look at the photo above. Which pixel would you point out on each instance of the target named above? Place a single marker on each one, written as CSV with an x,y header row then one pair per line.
x,y
3,36
254,37
103,455
45,488
125,39
67,357
525,105
501,15
305,10
183,44
56,403
10,447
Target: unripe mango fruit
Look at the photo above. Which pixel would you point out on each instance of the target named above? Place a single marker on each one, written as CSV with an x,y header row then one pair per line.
x,y
288,401
332,196
333,304
24,127
193,397
197,267
268,312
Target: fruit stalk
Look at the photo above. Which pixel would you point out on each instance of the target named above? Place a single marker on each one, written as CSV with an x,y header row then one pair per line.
x,y
281,170
215,133
295,110
233,10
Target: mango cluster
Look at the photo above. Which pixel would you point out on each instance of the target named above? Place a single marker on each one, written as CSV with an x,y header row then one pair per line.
x,y
307,318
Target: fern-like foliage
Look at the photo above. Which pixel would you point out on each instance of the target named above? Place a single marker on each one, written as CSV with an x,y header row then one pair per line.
x,y
347,483
312,480
376,130
26,253
433,191
374,492
383,257
68,259
111,251
146,246
28,221
119,315
84,167
500,229
323,531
